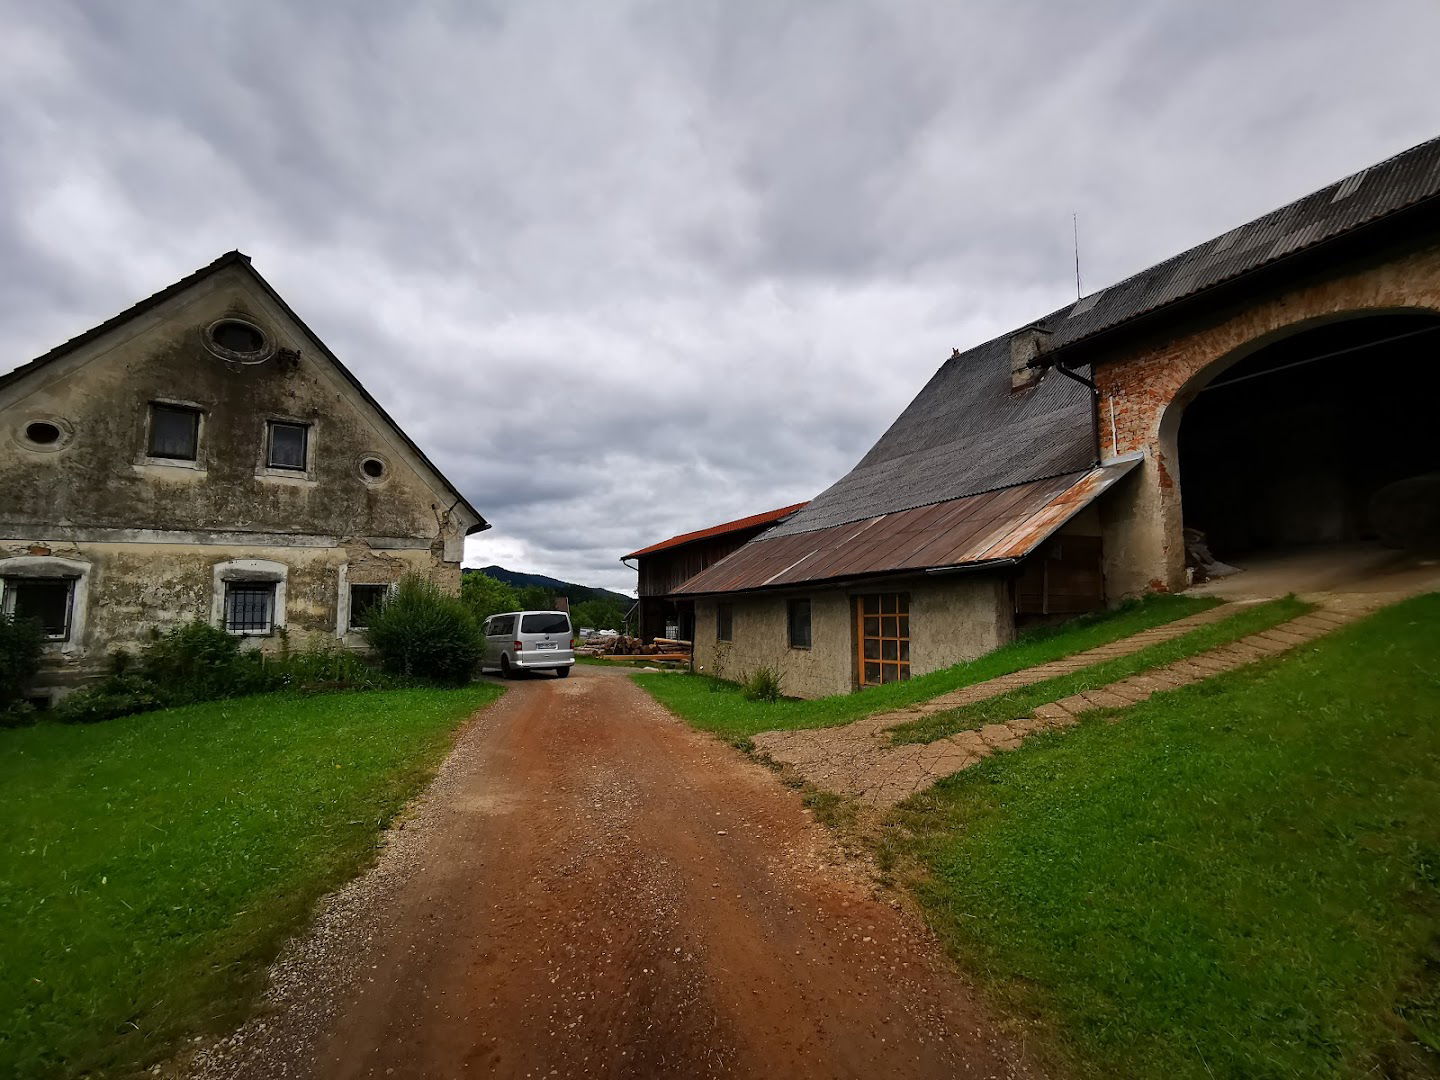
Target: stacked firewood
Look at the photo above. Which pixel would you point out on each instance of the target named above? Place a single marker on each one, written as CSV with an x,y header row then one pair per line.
x,y
631,648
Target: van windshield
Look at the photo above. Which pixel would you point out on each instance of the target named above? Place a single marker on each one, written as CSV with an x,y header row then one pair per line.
x,y
545,623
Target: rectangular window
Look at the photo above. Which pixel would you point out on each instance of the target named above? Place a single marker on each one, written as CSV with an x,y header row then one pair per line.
x,y
797,617
249,607
174,432
724,622
363,600
882,638
502,626
46,601
545,623
288,445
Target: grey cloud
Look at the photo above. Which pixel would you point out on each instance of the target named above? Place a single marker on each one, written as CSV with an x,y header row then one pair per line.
x,y
707,251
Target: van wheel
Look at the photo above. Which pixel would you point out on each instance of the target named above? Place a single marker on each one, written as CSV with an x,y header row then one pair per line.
x,y
506,672
562,672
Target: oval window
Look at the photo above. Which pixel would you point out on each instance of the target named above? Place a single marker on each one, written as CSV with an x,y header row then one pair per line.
x,y
235,336
42,432
374,468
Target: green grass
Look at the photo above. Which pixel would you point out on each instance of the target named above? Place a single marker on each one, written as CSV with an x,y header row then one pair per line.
x,y
717,706
1022,702
1240,879
150,866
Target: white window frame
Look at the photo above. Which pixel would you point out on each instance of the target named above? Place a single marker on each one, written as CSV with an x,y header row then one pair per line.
x,y
250,572
343,630
53,566
265,471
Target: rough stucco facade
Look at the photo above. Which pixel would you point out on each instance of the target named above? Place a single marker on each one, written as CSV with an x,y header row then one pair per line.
x,y
951,619
1146,386
151,542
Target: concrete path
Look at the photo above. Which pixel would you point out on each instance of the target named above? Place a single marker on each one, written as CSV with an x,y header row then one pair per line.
x,y
858,759
592,889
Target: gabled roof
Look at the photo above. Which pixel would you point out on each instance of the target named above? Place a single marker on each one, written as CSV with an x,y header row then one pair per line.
x,y
738,525
966,433
993,528
239,259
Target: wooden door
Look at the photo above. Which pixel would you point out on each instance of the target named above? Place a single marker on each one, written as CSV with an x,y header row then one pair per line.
x,y
882,638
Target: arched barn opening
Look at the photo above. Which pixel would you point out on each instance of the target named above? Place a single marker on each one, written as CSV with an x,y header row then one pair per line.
x,y
1328,436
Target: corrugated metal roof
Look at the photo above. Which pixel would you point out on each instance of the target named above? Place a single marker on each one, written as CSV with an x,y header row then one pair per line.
x,y
1376,192
1001,525
738,525
967,433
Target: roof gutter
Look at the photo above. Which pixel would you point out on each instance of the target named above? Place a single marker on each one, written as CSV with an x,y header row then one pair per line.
x,y
966,568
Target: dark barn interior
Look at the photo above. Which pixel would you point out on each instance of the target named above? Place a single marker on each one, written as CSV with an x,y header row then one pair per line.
x,y
1324,437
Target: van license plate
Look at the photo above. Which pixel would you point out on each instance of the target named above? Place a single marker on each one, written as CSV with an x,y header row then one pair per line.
x,y
546,645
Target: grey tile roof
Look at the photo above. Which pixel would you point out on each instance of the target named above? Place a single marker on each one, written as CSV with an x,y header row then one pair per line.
x,y
965,433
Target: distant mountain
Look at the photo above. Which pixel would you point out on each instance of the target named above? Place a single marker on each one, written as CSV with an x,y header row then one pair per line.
x,y
577,593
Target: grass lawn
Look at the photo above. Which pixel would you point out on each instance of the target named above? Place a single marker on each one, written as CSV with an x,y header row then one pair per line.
x,y
1239,879
150,866
1243,622
718,706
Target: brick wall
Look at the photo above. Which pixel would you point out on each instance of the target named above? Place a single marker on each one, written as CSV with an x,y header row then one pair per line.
x,y
1145,386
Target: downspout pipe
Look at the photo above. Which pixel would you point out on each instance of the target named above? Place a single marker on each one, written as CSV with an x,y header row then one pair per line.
x,y
1089,384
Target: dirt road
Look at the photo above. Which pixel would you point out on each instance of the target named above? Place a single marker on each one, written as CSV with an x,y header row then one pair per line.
x,y
593,889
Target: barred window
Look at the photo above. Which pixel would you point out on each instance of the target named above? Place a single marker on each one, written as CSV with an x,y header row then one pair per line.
x,y
47,602
250,607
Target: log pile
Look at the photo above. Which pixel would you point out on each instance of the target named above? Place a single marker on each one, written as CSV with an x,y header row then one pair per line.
x,y
660,650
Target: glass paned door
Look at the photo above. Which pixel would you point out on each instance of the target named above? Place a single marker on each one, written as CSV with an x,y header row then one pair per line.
x,y
882,638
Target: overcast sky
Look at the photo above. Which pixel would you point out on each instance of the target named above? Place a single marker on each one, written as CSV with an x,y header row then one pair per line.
x,y
629,269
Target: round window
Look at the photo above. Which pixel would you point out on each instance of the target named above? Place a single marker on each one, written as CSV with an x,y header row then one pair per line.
x,y
373,468
42,432
239,340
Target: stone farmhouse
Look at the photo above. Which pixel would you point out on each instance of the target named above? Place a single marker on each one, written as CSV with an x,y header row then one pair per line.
x,y
1271,388
203,455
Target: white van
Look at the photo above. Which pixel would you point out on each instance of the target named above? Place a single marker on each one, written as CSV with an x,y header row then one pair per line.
x,y
528,641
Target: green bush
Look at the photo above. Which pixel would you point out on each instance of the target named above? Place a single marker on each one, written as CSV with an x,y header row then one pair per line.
x,y
420,631
199,662
20,643
321,669
116,695
762,684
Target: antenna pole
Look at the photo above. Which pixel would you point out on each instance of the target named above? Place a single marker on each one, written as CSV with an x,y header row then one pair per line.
x,y
1075,230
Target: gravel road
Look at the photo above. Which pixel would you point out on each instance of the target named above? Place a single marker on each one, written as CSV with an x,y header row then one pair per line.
x,y
592,889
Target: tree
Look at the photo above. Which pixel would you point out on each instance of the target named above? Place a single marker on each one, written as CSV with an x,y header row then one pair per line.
x,y
598,614
535,598
484,595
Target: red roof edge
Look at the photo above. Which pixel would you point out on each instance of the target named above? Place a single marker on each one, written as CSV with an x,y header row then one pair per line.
x,y
769,517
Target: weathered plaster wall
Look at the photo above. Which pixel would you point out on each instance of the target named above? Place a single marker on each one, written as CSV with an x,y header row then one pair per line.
x,y
951,619
132,588
102,479
1148,383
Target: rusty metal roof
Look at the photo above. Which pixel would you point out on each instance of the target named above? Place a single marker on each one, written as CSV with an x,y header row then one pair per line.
x,y
994,527
769,517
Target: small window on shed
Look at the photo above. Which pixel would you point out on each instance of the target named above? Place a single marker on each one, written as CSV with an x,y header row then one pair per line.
x,y
174,432
289,445
725,622
364,599
47,601
797,617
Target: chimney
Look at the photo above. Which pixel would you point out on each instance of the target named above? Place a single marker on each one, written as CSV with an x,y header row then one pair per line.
x,y
1025,348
